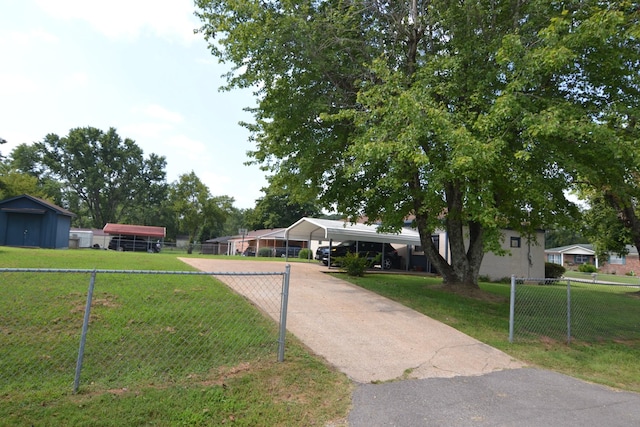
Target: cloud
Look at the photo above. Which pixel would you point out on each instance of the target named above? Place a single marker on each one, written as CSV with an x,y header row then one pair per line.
x,y
22,39
118,19
216,183
146,130
185,146
156,111
76,80
16,84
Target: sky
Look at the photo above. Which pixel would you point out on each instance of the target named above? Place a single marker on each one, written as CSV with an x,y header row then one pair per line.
x,y
136,66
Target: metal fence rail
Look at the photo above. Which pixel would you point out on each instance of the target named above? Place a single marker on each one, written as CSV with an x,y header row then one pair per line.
x,y
110,329
568,309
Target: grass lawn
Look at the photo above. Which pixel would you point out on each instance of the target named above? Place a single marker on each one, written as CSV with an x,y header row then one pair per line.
x,y
611,362
40,320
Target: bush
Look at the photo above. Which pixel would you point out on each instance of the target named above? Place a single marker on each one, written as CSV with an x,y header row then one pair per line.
x,y
265,252
353,265
304,253
553,271
587,268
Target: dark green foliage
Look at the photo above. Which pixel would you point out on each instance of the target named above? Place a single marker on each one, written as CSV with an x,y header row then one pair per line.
x,y
353,264
104,177
279,209
305,254
471,116
553,271
587,268
265,252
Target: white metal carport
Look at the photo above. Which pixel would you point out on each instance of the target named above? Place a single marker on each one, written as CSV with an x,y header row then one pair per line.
x,y
326,229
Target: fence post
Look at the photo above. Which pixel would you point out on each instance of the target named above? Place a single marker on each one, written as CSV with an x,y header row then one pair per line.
x,y
568,311
85,327
283,312
512,305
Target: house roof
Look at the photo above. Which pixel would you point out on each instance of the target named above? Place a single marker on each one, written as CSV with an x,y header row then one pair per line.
x,y
577,249
327,229
42,202
222,239
135,230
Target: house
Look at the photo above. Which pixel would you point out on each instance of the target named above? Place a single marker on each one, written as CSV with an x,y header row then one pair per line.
x,y
572,256
217,246
249,244
525,257
28,221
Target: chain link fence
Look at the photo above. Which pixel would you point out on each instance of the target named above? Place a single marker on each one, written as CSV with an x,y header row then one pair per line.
x,y
109,329
572,309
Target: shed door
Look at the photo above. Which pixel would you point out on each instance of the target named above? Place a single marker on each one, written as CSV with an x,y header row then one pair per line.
x,y
23,229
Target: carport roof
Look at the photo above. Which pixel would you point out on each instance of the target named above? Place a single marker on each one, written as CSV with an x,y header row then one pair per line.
x,y
327,229
135,230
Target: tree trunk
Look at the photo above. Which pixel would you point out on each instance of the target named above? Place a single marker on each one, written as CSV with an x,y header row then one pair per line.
x,y
465,256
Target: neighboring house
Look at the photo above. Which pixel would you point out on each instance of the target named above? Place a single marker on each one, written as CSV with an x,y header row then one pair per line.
x,y
250,243
625,264
28,221
572,256
217,246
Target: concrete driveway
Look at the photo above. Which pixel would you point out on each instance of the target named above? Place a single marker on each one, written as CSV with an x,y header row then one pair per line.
x,y
443,377
368,337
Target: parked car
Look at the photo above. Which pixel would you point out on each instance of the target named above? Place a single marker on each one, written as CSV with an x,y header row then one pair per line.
x,y
250,251
370,250
281,252
133,243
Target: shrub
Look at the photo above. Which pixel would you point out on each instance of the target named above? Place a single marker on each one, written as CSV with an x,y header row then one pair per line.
x,y
553,271
265,252
304,254
353,265
587,268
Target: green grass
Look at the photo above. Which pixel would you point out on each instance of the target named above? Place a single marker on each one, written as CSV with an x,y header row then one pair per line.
x,y
613,362
140,365
614,278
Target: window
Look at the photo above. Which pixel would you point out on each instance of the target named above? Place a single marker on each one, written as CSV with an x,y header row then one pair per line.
x,y
554,258
581,259
615,259
515,242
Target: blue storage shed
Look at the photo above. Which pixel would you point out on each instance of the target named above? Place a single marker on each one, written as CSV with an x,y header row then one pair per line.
x,y
32,222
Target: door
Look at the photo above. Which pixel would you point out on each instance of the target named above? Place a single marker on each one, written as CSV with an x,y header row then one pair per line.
x,y
23,229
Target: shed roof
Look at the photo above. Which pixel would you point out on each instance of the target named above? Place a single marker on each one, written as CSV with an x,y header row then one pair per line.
x,y
45,203
327,229
135,230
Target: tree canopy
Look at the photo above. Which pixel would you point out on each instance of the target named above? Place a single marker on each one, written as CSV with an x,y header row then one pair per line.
x,y
196,212
277,209
470,116
103,176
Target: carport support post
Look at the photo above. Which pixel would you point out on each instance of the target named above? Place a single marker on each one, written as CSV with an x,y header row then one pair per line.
x,y
283,312
85,327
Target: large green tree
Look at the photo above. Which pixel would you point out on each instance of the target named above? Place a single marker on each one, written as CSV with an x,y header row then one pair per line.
x,y
468,115
278,209
105,178
196,212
